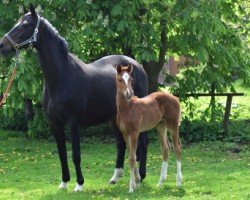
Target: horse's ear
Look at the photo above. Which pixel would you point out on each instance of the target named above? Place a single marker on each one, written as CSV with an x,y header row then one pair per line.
x,y
32,10
25,10
130,68
119,68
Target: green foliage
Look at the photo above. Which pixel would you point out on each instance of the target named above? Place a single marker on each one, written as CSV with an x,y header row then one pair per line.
x,y
212,34
38,127
14,121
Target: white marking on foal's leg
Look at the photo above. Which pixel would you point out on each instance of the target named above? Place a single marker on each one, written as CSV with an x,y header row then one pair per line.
x,y
117,175
179,173
63,185
164,171
78,188
137,176
132,184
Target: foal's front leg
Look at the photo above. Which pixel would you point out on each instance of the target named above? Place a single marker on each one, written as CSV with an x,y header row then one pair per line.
x,y
132,143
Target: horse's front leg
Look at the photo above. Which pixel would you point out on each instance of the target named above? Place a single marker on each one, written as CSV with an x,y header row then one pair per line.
x,y
121,147
59,135
76,154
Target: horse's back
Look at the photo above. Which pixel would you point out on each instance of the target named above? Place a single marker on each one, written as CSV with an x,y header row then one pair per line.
x,y
109,63
113,61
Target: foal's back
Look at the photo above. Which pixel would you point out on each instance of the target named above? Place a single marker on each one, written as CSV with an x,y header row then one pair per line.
x,y
158,107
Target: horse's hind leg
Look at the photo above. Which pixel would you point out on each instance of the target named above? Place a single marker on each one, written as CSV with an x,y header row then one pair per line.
x,y
76,154
162,131
177,149
142,153
59,135
121,147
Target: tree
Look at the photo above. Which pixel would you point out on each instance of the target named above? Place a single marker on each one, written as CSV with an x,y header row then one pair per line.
x,y
212,34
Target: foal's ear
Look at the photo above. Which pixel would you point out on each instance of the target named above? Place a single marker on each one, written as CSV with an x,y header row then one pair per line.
x,y
32,10
119,68
130,68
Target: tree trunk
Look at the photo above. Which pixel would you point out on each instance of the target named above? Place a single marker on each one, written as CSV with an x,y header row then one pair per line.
x,y
28,109
153,68
152,71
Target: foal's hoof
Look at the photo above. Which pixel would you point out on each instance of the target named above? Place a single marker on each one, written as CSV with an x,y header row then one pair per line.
x,y
160,184
63,185
179,181
112,182
78,188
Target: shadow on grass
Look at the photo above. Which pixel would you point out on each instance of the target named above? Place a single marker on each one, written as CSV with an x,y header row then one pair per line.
x,y
144,191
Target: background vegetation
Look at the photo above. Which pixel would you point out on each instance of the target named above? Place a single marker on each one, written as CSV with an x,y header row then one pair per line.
x,y
214,35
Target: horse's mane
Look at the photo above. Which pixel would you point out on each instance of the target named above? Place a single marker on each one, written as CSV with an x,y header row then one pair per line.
x,y
53,34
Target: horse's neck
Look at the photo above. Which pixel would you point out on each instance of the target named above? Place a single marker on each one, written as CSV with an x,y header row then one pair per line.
x,y
53,61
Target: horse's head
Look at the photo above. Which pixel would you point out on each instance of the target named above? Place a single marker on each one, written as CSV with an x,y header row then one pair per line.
x,y
124,80
23,34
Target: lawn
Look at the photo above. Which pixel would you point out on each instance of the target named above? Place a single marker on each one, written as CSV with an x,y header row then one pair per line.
x,y
29,169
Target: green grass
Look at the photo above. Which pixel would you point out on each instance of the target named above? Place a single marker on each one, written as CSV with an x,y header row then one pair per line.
x,y
29,169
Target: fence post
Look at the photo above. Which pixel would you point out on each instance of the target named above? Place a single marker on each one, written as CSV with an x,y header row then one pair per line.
x,y
227,113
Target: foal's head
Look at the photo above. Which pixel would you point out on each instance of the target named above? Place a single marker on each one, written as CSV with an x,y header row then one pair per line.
x,y
21,32
124,80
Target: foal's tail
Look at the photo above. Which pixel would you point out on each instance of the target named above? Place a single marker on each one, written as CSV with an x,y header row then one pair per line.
x,y
180,116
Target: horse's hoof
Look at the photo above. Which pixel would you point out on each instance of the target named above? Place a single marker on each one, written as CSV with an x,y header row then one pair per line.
x,y
117,175
131,190
78,188
63,185
142,175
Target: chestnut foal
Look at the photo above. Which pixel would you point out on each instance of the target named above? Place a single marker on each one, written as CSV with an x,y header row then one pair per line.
x,y
134,115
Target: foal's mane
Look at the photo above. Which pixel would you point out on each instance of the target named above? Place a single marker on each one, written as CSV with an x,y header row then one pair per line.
x,y
53,34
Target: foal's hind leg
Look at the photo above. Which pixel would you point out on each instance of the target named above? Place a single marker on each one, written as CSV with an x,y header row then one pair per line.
x,y
162,131
177,149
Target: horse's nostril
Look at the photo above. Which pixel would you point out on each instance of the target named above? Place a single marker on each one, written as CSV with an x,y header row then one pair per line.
x,y
1,45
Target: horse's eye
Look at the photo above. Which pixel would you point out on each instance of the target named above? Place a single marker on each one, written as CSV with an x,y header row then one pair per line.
x,y
120,80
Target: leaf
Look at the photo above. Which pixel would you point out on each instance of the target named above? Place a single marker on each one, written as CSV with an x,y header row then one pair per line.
x,y
202,54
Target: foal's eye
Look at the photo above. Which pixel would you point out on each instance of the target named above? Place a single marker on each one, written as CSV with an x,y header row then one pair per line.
x,y
120,80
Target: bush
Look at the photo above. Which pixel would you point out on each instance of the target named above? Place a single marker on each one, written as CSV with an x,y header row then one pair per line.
x,y
14,121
